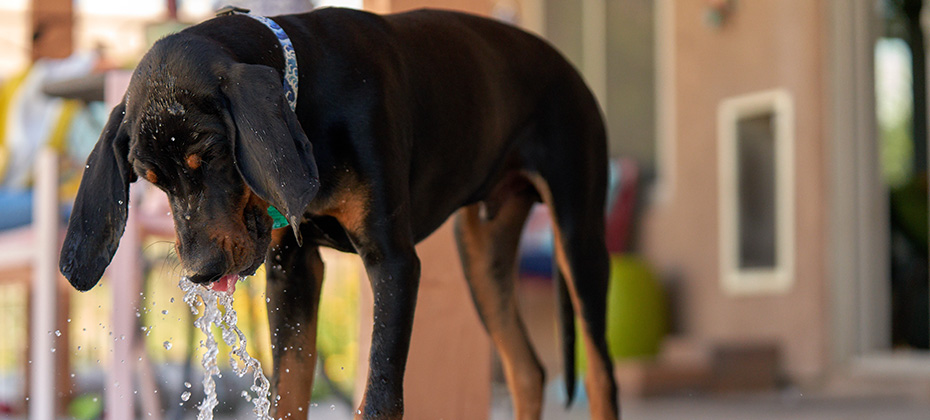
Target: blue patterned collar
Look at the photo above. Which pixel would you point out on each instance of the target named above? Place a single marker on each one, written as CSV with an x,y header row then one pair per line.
x,y
290,57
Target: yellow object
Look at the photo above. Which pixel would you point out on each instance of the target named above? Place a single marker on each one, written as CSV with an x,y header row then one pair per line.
x,y
637,312
58,140
7,93
59,135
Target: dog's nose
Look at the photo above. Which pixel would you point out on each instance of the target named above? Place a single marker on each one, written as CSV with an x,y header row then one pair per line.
x,y
209,273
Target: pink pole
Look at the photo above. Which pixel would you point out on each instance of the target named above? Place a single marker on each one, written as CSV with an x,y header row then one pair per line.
x,y
44,289
125,277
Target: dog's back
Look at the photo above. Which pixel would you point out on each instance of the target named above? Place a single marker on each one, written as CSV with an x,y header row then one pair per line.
x,y
474,98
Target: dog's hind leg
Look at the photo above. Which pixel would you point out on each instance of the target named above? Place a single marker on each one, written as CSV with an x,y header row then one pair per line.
x,y
488,249
295,276
581,254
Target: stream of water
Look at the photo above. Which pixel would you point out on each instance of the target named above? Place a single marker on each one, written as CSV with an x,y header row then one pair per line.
x,y
239,357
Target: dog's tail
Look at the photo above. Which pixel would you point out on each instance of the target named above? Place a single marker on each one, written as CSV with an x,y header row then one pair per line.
x,y
567,326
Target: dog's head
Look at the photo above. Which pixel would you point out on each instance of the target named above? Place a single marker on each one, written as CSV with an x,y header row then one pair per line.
x,y
219,138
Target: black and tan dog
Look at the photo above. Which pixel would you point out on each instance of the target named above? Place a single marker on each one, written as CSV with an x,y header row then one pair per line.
x,y
400,121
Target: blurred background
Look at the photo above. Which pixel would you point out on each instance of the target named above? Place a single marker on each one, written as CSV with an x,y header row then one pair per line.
x,y
767,216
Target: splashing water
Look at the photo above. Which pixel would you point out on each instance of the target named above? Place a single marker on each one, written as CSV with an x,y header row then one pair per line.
x,y
234,338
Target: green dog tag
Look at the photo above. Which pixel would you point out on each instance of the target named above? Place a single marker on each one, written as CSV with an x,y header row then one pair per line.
x,y
279,220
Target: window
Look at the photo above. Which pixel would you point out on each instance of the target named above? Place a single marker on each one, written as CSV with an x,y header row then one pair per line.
x,y
756,193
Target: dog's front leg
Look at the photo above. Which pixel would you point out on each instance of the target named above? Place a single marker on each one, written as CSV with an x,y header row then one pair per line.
x,y
295,276
394,272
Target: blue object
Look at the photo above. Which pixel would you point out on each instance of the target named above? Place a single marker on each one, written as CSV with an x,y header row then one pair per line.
x,y
16,209
536,245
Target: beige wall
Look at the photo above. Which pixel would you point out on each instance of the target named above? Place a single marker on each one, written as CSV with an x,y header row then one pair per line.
x,y
765,44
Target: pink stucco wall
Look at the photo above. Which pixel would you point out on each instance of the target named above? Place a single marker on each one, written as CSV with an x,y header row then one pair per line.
x,y
765,44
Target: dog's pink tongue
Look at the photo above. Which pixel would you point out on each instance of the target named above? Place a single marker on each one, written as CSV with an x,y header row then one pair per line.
x,y
226,284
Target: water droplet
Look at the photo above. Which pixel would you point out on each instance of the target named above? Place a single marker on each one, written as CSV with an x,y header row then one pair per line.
x,y
187,385
167,345
185,396
164,312
57,333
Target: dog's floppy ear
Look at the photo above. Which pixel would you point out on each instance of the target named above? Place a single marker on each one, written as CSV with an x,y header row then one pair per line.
x,y
100,209
272,152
